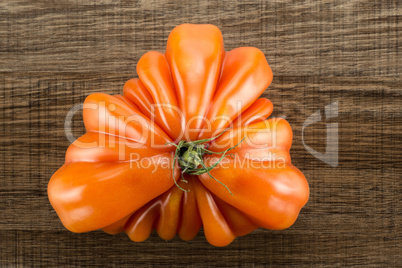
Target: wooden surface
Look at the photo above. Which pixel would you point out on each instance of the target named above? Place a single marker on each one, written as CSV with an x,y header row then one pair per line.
x,y
54,53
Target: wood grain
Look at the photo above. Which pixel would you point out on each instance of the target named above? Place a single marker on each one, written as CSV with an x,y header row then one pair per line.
x,y
54,53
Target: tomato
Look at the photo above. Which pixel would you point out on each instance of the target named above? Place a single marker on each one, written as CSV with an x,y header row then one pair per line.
x,y
186,146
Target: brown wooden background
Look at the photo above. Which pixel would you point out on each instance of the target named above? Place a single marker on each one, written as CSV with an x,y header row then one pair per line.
x,y
54,53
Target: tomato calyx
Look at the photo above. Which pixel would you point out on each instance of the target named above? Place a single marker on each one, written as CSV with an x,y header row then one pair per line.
x,y
189,155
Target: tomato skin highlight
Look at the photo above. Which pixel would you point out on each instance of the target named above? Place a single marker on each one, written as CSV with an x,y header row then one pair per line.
x,y
195,54
123,174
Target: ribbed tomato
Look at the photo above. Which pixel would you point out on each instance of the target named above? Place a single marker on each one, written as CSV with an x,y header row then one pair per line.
x,y
186,146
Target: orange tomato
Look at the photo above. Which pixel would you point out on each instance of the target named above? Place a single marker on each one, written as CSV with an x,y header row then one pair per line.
x,y
186,146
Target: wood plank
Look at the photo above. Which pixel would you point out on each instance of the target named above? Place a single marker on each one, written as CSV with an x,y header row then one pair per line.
x,y
341,38
261,248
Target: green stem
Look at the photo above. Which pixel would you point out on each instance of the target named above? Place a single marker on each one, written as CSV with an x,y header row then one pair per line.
x,y
189,155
